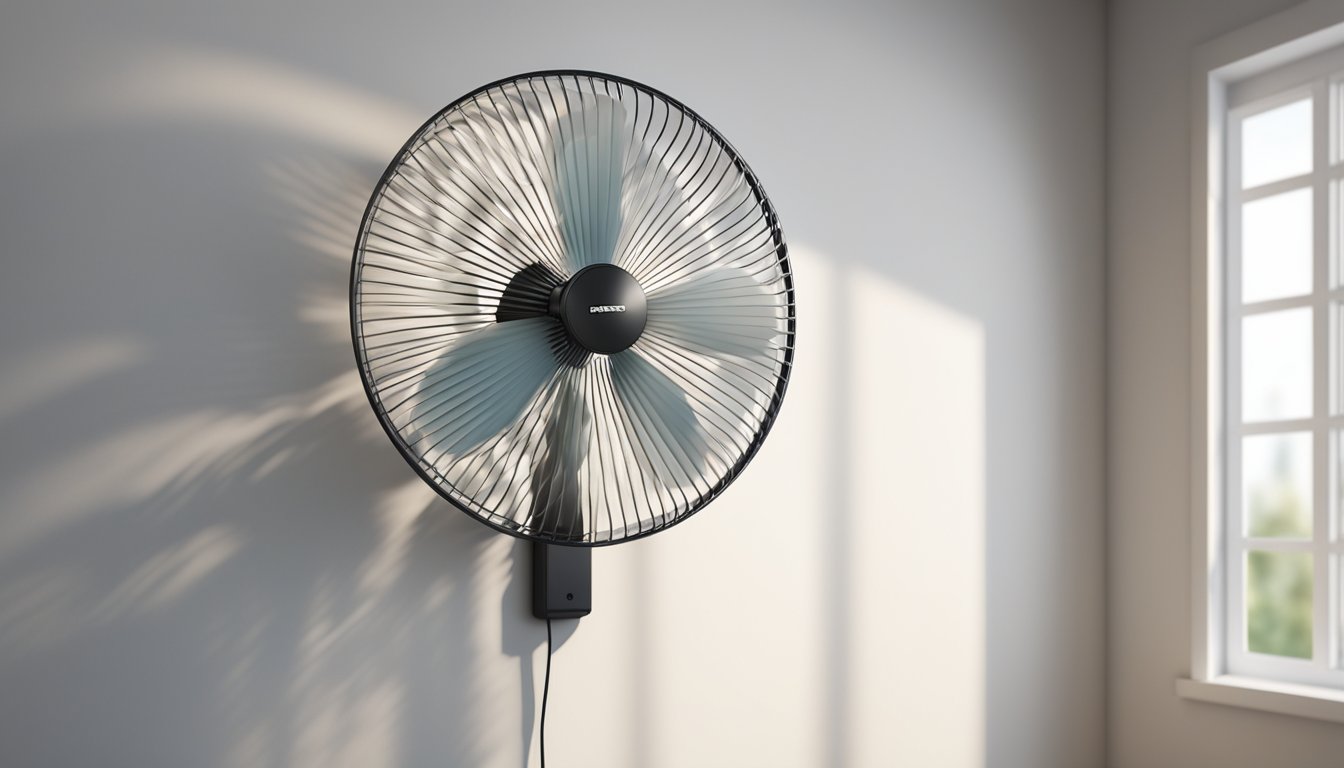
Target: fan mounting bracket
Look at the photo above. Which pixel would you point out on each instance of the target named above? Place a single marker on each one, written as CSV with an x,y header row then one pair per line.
x,y
562,581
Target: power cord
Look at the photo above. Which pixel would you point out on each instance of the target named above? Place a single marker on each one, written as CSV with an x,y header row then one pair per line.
x,y
545,693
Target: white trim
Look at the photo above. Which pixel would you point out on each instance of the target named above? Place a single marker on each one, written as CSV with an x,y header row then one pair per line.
x,y
1298,33
1286,78
1206,567
1285,698
1276,545
1275,305
1274,187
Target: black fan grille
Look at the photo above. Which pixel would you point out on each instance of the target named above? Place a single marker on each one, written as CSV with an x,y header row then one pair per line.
x,y
499,198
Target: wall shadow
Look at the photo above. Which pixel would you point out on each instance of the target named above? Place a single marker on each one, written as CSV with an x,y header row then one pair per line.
x,y
205,526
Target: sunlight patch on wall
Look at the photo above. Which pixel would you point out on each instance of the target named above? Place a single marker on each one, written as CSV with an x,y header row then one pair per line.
x,y
207,85
171,574
48,606
717,594
161,458
27,383
323,199
395,515
857,532
915,403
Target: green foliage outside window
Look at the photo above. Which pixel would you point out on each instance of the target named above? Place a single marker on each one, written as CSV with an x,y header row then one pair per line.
x,y
1279,584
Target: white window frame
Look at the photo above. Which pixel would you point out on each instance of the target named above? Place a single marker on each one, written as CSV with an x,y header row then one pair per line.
x,y
1310,79
1240,70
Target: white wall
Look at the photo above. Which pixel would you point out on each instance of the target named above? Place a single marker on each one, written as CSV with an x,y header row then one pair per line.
x,y
1148,293
210,555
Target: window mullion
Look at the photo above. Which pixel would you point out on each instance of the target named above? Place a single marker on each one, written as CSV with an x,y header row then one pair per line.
x,y
1274,188
1277,545
1324,636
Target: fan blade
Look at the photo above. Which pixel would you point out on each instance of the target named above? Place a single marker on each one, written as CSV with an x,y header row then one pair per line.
x,y
719,311
528,294
557,500
589,163
661,414
479,386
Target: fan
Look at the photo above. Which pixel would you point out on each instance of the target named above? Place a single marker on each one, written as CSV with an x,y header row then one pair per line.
x,y
573,313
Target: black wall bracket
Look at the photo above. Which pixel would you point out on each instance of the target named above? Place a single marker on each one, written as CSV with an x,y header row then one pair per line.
x,y
562,581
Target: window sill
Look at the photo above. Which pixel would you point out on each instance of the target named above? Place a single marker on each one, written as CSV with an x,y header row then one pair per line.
x,y
1285,698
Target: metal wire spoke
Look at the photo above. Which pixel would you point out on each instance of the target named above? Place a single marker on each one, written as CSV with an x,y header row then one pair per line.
x,y
474,230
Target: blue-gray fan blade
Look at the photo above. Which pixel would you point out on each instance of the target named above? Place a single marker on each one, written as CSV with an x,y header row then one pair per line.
x,y
719,311
589,161
479,386
661,414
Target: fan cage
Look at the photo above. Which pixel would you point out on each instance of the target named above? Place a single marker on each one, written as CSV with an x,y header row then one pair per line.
x,y
427,471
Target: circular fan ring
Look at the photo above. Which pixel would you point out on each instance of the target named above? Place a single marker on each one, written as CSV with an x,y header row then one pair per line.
x,y
572,308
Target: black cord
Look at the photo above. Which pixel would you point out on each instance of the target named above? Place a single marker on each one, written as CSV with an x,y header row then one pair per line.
x,y
545,693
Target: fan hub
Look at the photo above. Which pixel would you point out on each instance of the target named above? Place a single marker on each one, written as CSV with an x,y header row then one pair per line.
x,y
603,308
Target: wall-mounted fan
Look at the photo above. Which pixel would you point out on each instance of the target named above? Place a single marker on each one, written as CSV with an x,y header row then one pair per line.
x,y
573,313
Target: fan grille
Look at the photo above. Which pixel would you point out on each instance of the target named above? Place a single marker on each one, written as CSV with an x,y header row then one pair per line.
x,y
490,206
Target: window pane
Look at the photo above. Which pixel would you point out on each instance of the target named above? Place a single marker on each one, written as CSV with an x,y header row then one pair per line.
x,y
1276,144
1276,246
1276,485
1278,603
1276,365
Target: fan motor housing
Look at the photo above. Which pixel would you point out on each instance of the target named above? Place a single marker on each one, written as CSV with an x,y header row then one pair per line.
x,y
603,307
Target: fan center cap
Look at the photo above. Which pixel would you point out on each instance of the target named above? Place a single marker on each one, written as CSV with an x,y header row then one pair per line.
x,y
603,308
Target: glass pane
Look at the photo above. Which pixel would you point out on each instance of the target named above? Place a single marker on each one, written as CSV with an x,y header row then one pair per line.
x,y
1276,144
1276,485
1276,246
1278,603
1276,365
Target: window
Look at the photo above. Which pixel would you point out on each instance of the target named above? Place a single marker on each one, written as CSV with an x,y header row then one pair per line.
x,y
1267,366
1283,387
1282,336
